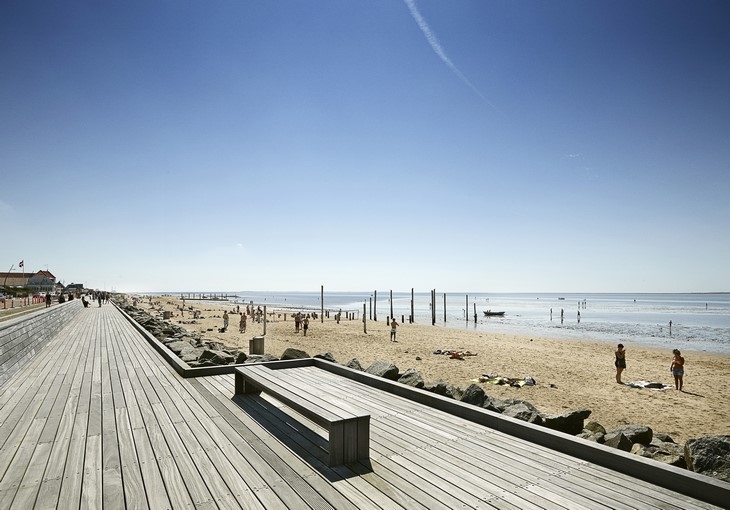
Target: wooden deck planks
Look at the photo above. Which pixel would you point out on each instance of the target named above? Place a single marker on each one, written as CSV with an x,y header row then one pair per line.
x,y
103,421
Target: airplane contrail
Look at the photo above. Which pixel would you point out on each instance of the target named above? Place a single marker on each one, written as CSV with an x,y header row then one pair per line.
x,y
436,46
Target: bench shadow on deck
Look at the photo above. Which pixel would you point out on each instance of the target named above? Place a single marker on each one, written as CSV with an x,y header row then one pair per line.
x,y
104,416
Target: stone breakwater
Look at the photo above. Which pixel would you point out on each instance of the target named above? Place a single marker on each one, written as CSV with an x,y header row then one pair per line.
x,y
709,455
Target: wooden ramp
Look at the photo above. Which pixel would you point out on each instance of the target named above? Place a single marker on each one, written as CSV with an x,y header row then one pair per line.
x,y
98,419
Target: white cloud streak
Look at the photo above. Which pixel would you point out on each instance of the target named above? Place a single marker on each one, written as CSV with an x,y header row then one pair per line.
x,y
436,46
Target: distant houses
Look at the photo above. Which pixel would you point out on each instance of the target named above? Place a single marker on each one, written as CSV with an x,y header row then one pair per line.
x,y
39,282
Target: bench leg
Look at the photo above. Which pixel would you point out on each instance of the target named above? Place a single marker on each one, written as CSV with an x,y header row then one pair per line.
x,y
349,441
241,386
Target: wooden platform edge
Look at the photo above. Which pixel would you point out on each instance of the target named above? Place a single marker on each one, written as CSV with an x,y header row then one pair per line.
x,y
689,483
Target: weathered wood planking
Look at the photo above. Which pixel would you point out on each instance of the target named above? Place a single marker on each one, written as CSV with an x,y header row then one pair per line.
x,y
98,419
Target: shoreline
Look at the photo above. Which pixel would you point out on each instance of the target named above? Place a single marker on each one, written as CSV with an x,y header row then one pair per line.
x,y
570,374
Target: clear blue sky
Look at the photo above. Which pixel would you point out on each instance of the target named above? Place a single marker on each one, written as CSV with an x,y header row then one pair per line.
x,y
462,145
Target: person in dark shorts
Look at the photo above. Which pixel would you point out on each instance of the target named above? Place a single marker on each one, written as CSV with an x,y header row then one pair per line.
x,y
620,362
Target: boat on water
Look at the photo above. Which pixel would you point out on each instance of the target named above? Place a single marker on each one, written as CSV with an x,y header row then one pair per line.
x,y
489,313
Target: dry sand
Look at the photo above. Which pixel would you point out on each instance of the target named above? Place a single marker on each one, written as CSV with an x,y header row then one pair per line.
x,y
570,374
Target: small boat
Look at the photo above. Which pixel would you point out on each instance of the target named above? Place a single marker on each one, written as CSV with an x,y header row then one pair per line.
x,y
489,313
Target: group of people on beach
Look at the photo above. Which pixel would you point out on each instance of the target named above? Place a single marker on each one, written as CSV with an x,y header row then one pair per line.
x,y
677,366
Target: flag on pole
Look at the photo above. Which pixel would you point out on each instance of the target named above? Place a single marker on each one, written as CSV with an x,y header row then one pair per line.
x,y
21,264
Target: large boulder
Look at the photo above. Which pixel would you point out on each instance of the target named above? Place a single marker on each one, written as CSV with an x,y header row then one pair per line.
x,y
384,369
260,358
292,353
412,377
217,357
185,350
709,455
522,412
668,453
474,395
441,388
570,422
636,433
327,356
354,364
617,440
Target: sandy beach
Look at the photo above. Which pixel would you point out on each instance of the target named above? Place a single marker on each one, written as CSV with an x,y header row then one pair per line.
x,y
570,374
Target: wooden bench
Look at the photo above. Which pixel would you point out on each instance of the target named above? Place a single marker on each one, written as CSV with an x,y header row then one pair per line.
x,y
349,427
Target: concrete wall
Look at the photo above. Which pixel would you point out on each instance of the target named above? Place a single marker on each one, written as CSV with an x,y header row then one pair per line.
x,y
22,337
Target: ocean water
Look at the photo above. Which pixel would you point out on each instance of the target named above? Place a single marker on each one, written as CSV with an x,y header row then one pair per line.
x,y
700,322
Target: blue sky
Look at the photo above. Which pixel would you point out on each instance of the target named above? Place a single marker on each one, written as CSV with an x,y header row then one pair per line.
x,y
466,145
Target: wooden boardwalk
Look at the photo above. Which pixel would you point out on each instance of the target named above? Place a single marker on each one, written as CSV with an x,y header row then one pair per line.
x,y
98,419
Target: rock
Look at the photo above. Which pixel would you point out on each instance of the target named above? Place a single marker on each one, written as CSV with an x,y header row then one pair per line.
x,y
204,363
217,357
524,413
292,353
185,350
636,433
241,358
354,364
413,378
668,453
664,438
709,455
260,358
384,369
327,356
617,440
501,405
474,395
215,346
595,427
590,436
441,388
570,422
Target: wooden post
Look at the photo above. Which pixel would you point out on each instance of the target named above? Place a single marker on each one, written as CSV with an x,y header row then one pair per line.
x,y
475,312
466,310
322,302
444,306
375,307
371,307
364,321
413,317
391,303
265,320
433,307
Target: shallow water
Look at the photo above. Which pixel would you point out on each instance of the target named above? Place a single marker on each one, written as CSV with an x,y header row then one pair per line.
x,y
700,322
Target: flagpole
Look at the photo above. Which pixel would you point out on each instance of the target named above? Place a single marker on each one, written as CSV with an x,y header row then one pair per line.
x,y
6,275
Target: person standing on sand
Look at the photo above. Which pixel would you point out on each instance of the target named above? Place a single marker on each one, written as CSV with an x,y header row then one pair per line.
x,y
677,369
393,326
305,325
225,320
297,321
242,324
620,362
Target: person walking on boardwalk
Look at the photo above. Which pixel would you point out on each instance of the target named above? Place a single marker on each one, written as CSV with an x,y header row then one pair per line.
x,y
48,299
225,321
620,362
677,369
393,326
242,324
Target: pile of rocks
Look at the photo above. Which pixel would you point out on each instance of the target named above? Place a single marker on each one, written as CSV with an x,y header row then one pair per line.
x,y
709,455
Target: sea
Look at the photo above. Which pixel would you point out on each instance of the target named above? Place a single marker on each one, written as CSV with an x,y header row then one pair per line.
x,y
699,321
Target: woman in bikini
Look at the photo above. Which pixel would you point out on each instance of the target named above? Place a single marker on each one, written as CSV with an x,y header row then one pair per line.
x,y
677,369
620,362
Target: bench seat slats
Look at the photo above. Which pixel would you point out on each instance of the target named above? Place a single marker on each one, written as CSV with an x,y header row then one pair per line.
x,y
349,427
